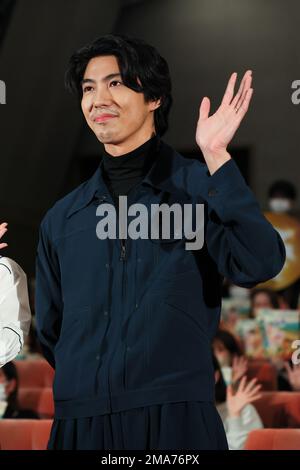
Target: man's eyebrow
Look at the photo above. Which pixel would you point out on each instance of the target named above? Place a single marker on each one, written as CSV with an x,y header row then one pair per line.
x,y
104,79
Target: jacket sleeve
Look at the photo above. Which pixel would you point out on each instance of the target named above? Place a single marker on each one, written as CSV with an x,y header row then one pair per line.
x,y
48,303
238,428
15,315
243,244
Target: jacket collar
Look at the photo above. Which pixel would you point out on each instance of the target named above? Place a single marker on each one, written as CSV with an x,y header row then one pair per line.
x,y
160,176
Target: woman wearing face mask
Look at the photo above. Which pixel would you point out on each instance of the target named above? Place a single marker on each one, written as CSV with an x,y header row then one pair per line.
x,y
9,406
15,313
282,196
234,406
229,354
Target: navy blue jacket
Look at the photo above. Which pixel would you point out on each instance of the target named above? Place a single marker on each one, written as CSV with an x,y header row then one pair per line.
x,y
134,328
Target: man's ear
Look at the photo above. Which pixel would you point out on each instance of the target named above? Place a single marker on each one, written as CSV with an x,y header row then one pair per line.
x,y
155,104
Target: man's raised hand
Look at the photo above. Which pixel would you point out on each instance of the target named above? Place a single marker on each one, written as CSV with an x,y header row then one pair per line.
x,y
215,132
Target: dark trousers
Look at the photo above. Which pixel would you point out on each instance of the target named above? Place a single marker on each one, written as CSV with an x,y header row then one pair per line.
x,y
168,426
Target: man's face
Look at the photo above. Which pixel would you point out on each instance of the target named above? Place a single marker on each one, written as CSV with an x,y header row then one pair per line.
x,y
131,121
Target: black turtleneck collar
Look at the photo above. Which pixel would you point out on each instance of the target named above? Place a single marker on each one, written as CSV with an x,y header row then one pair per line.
x,y
125,171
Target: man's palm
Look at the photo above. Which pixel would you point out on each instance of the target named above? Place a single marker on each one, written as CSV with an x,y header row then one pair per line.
x,y
214,132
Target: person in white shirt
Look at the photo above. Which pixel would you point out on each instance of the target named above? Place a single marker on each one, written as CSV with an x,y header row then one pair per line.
x,y
3,230
238,415
15,315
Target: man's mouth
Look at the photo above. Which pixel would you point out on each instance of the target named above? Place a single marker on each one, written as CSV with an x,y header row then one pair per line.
x,y
104,117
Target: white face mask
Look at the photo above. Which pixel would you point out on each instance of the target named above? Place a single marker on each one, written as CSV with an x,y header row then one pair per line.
x,y
3,395
227,374
279,204
223,359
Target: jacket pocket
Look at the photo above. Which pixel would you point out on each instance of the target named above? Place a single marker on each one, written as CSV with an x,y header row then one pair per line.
x,y
180,304
176,341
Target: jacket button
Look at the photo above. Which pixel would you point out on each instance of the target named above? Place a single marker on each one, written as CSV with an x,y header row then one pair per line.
x,y
139,260
102,198
128,348
97,357
107,265
212,192
105,313
136,305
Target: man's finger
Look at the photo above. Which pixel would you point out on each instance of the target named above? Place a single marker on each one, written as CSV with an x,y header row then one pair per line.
x,y
237,117
204,108
229,90
247,86
245,104
241,89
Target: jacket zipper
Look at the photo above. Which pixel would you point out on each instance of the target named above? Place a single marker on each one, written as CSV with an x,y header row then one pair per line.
x,y
123,251
123,257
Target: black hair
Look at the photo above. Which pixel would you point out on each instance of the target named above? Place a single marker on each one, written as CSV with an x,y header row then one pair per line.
x,y
10,371
283,188
136,59
229,342
220,386
273,297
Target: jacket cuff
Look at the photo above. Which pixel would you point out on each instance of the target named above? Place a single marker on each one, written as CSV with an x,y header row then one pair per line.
x,y
226,191
226,178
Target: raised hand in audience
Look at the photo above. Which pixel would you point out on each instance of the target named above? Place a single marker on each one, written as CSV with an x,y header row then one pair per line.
x,y
293,374
239,367
245,393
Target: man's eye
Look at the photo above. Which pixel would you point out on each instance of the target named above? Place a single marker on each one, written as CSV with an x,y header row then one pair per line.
x,y
87,88
115,81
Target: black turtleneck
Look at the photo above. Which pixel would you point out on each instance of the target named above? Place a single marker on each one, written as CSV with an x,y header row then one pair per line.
x,y
124,172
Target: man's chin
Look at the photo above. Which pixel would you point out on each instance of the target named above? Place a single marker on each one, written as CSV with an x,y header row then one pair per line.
x,y
108,138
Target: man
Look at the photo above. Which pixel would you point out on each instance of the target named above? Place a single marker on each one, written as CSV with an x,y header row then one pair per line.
x,y
15,313
127,323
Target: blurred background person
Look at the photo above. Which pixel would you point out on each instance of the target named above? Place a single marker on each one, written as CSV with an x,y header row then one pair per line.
x,y
15,315
262,298
234,406
229,353
282,196
9,406
293,375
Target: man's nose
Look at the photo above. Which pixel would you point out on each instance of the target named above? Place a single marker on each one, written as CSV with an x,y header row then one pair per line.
x,y
102,97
